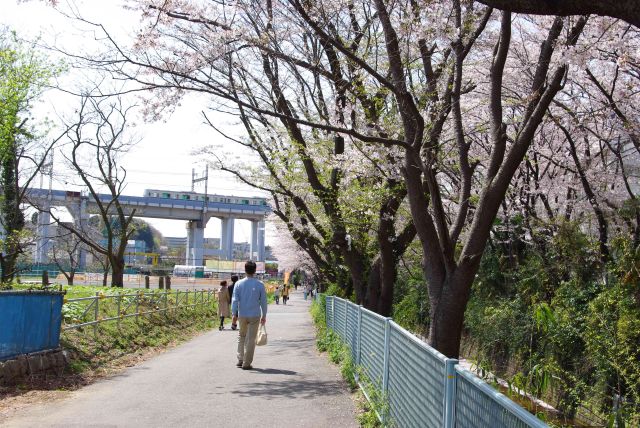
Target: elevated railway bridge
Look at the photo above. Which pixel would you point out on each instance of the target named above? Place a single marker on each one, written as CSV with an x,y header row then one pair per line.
x,y
194,208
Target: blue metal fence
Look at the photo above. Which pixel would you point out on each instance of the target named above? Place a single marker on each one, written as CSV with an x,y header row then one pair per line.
x,y
352,328
423,388
29,322
372,346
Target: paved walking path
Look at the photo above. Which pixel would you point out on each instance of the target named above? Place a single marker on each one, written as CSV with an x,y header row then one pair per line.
x,y
198,385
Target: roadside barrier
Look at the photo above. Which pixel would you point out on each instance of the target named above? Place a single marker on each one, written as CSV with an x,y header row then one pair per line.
x,y
93,310
29,322
422,387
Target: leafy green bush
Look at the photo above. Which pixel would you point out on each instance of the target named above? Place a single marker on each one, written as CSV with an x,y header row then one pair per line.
x,y
549,316
411,307
561,325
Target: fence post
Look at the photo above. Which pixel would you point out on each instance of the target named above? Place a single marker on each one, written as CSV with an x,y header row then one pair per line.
x,y
95,316
326,312
186,300
137,304
146,281
385,369
359,338
161,283
333,312
346,317
167,282
118,309
450,392
166,303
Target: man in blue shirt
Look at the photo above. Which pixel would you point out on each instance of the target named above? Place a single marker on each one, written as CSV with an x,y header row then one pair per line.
x,y
249,307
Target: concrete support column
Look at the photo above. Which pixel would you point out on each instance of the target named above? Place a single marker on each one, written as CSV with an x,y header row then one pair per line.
x,y
260,243
195,243
43,244
226,241
253,248
81,223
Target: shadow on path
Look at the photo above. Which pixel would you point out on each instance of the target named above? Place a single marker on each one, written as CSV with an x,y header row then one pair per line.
x,y
275,371
305,389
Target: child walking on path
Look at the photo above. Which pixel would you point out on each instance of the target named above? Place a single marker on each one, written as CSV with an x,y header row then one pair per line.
x,y
276,294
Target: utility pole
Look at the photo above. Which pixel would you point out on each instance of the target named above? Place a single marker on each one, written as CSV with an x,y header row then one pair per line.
x,y
47,169
195,179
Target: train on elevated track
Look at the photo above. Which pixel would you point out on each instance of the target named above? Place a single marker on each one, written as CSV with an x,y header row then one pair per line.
x,y
193,196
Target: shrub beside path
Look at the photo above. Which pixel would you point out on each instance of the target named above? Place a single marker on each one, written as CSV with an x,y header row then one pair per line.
x,y
198,385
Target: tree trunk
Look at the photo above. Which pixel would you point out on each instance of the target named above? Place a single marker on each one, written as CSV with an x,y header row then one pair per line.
x,y
446,316
627,10
12,215
105,275
117,273
354,261
7,271
373,286
388,267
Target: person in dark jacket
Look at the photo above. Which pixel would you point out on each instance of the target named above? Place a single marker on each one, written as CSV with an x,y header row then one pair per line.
x,y
234,279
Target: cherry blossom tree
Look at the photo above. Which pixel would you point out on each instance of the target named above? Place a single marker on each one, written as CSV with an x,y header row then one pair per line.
x,y
439,90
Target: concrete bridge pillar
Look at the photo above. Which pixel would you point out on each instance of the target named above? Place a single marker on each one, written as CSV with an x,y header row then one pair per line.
x,y
81,223
195,243
84,225
257,240
226,241
253,249
43,231
261,241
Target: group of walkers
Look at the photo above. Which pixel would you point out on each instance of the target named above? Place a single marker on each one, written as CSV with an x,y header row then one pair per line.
x,y
246,302
308,290
282,290
225,293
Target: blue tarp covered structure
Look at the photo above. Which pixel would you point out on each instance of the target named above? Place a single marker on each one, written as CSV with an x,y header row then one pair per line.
x,y
29,322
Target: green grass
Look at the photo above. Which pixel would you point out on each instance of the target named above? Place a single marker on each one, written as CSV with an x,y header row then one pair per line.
x,y
112,345
103,346
98,348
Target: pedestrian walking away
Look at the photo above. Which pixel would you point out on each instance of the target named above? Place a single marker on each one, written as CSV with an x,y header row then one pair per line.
x,y
276,294
234,279
249,309
224,300
285,293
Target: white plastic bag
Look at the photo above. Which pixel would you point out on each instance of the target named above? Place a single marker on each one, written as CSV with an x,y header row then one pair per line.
x,y
261,338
